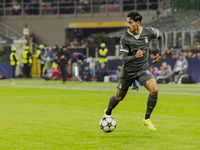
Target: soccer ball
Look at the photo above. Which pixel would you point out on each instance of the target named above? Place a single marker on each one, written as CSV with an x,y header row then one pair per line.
x,y
107,124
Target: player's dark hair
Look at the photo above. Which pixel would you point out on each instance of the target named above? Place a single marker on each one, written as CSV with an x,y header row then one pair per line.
x,y
135,15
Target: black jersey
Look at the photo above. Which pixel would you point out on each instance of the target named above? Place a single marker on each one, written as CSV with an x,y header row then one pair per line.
x,y
130,44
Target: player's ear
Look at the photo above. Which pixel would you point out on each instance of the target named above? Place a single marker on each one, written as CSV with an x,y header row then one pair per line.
x,y
138,22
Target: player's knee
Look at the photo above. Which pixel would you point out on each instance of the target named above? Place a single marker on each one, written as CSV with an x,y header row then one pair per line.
x,y
154,92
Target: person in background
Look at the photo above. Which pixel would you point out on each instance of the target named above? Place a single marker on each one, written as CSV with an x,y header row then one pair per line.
x,y
168,53
76,62
48,57
103,52
180,68
13,61
40,55
27,61
119,68
63,58
154,72
165,75
136,85
54,72
102,72
16,8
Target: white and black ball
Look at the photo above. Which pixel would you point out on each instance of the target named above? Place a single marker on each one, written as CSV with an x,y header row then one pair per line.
x,y
107,124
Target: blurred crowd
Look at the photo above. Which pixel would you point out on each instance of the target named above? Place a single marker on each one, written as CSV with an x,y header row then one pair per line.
x,y
15,7
58,63
174,52
179,74
61,63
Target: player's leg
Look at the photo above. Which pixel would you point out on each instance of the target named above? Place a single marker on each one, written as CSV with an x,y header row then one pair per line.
x,y
123,86
114,100
149,82
152,87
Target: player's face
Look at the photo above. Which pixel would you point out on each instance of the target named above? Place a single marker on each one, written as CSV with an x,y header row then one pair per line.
x,y
133,27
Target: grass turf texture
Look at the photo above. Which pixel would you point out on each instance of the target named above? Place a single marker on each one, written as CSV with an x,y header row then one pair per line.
x,y
49,115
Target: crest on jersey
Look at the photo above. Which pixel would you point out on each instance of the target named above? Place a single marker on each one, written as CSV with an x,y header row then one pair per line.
x,y
120,86
146,40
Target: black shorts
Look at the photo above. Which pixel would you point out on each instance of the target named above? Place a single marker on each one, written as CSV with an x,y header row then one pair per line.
x,y
142,77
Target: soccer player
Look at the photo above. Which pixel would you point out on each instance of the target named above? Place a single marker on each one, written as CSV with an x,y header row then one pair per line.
x,y
135,52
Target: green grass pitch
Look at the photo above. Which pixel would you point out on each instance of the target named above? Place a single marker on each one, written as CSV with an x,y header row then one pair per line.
x,y
48,115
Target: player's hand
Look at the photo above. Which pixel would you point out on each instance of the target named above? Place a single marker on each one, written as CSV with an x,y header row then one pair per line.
x,y
157,58
139,54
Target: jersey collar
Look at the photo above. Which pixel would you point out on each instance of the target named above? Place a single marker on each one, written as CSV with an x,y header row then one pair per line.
x,y
137,37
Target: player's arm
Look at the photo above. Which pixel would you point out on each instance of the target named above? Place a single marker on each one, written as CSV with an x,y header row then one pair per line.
x,y
158,35
127,59
125,50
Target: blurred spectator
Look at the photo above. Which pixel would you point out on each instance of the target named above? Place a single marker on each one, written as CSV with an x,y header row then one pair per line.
x,y
196,49
77,60
13,61
40,55
64,56
54,72
112,6
63,7
119,68
16,8
85,70
32,7
101,73
27,61
154,71
168,53
117,5
48,57
103,53
79,6
82,6
152,52
157,15
136,85
165,75
74,43
175,55
190,55
180,68
66,6
83,42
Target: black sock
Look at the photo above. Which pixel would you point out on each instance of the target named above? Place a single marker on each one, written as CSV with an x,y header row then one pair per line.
x,y
112,104
151,103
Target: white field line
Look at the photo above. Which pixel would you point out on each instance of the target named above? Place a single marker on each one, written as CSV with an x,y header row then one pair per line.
x,y
99,89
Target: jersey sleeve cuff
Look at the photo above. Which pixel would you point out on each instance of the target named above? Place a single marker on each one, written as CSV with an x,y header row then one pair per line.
x,y
124,50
